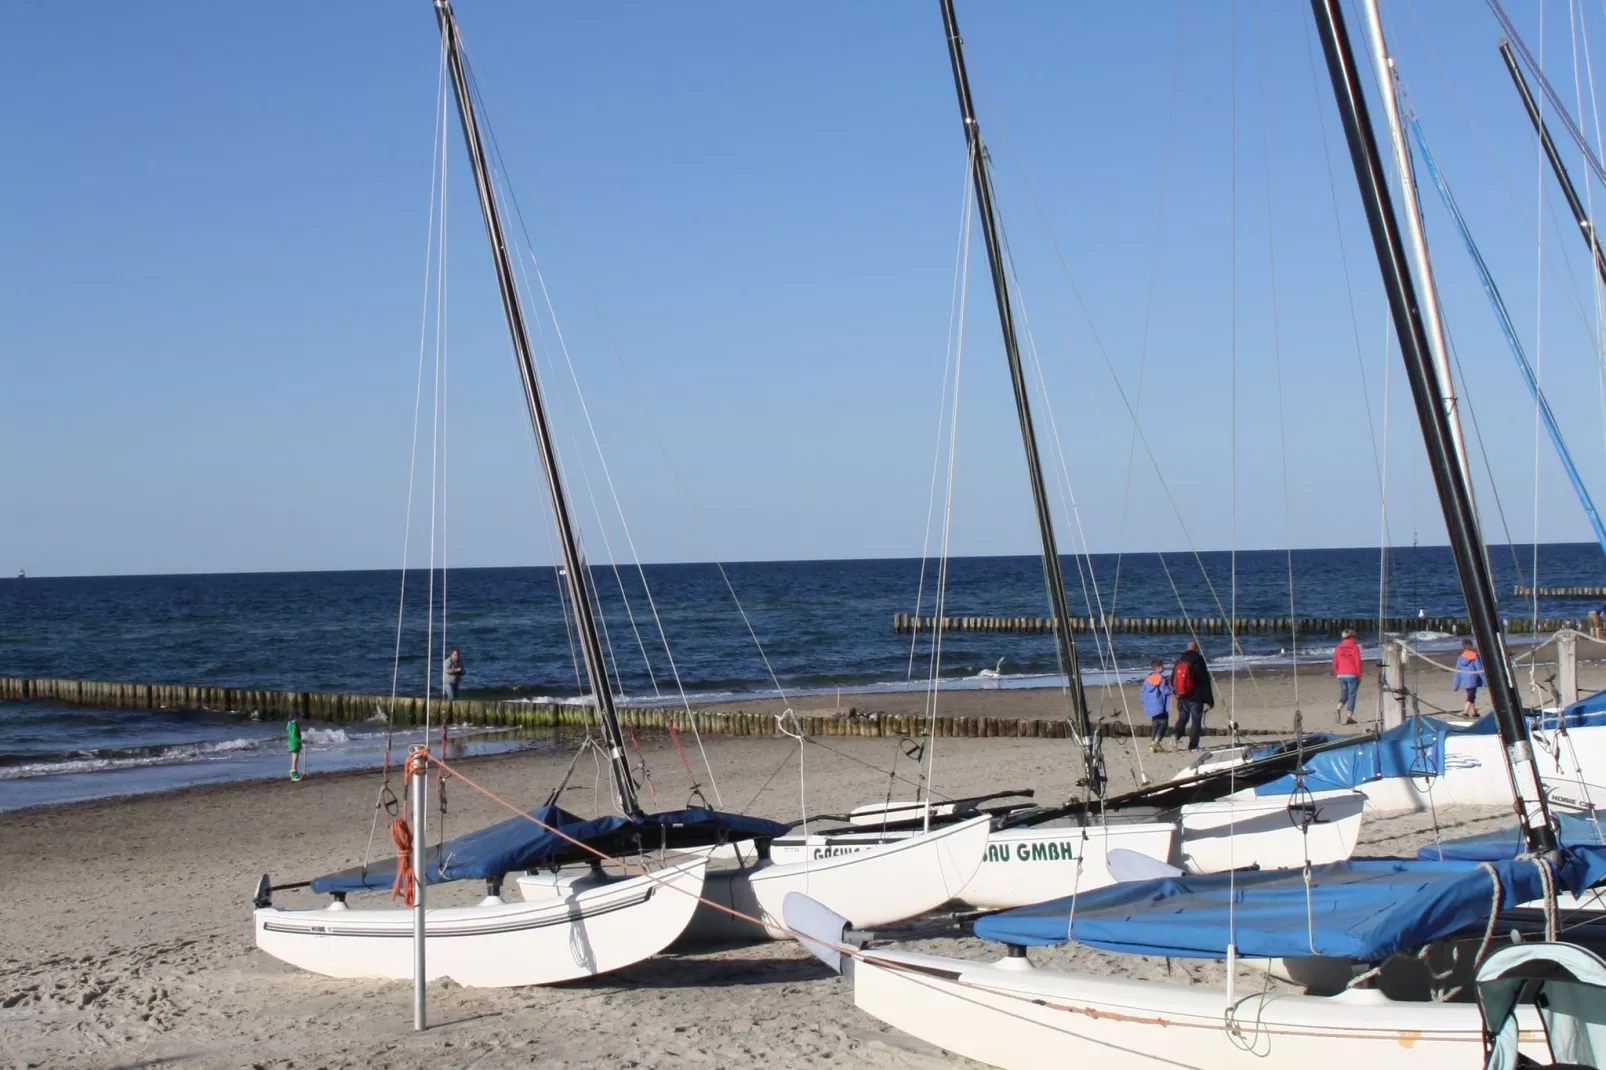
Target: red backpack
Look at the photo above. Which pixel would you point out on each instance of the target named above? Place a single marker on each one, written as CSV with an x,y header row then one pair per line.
x,y
1182,677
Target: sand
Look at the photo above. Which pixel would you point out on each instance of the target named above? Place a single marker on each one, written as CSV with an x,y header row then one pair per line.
x,y
125,925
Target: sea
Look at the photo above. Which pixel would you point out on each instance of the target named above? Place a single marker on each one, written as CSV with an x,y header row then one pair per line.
x,y
715,632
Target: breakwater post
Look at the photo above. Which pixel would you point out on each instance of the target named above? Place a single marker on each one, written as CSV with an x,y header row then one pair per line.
x,y
907,623
409,710
1559,592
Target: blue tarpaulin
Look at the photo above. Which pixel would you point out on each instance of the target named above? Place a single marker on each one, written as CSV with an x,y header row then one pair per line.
x,y
1571,829
1364,909
1415,748
1588,711
519,843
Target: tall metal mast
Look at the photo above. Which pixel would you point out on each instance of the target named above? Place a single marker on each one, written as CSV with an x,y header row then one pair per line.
x,y
1052,574
1383,75
579,583
1449,475
1563,179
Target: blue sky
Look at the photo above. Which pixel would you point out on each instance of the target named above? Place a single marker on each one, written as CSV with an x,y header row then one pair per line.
x,y
211,268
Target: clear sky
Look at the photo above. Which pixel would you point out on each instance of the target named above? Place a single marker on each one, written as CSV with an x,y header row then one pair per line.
x,y
213,243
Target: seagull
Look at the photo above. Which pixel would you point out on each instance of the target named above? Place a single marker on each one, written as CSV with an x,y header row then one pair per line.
x,y
992,673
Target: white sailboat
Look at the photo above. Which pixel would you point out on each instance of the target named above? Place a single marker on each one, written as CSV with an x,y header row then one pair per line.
x,y
569,927
1013,1015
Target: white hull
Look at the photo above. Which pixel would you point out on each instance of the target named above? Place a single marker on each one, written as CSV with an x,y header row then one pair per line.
x,y
876,886
580,933
1249,830
1029,1019
1028,865
1572,767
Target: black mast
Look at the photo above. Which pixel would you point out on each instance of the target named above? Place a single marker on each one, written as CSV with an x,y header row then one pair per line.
x,y
579,583
1455,496
1052,574
1562,178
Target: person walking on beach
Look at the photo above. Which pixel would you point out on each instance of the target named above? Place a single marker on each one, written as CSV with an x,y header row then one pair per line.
x,y
1156,693
1595,623
1190,681
1347,668
451,675
292,741
1468,676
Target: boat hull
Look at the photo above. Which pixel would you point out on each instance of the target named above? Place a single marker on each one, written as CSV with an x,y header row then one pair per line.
x,y
881,884
589,931
1029,1019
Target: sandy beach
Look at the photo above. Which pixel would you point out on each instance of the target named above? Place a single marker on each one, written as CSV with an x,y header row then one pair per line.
x,y
126,938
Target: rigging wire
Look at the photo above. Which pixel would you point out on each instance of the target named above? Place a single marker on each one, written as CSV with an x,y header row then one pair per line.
x,y
437,166
1148,299
942,407
1120,389
1277,352
928,774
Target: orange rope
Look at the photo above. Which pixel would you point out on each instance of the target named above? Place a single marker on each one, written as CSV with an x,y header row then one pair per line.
x,y
406,883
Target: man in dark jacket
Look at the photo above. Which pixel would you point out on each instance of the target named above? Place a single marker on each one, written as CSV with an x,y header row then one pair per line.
x,y
1191,682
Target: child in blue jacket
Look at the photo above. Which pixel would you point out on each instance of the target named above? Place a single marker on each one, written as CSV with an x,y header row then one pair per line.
x,y
1157,692
1468,676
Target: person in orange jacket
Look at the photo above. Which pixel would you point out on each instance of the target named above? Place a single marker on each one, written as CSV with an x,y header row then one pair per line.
x,y
1347,667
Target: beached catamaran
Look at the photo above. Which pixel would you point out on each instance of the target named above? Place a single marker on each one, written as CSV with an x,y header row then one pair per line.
x,y
1203,823
1011,1014
566,926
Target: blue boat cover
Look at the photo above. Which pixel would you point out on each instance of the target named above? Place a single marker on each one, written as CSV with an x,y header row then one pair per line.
x,y
1364,909
1571,829
519,843
1415,748
1588,711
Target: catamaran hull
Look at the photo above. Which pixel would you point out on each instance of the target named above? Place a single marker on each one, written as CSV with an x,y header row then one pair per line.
x,y
592,931
1272,832
1033,864
882,884
1028,1019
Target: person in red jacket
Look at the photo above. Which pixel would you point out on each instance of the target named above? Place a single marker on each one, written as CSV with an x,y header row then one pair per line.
x,y
1347,667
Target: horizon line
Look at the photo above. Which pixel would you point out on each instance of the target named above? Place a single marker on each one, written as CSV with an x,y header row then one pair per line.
x,y
777,561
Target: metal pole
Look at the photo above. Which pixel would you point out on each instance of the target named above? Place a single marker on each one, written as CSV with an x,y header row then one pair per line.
x,y
1563,179
1411,209
1449,477
1053,575
578,578
420,790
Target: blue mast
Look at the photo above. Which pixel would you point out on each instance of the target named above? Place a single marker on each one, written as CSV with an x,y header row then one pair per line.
x,y
1499,305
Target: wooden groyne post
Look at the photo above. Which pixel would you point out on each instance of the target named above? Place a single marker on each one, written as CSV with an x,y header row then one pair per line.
x,y
907,623
409,710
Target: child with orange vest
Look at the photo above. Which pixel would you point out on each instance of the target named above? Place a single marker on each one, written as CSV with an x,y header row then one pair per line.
x,y
1157,692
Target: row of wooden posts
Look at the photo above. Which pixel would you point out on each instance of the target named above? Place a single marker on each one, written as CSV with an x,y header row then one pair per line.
x,y
1559,592
409,710
907,623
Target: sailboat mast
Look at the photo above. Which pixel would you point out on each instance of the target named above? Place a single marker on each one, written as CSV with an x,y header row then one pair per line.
x,y
1563,179
578,578
1052,573
1411,208
1449,474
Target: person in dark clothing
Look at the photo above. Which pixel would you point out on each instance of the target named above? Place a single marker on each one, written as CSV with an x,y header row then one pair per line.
x,y
1190,681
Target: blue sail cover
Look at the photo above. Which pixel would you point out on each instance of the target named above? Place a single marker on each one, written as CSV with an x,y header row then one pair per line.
x,y
1573,830
519,843
1589,711
1415,748
1364,909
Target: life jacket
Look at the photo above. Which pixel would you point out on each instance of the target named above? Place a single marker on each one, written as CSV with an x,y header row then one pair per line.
x,y
1182,681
